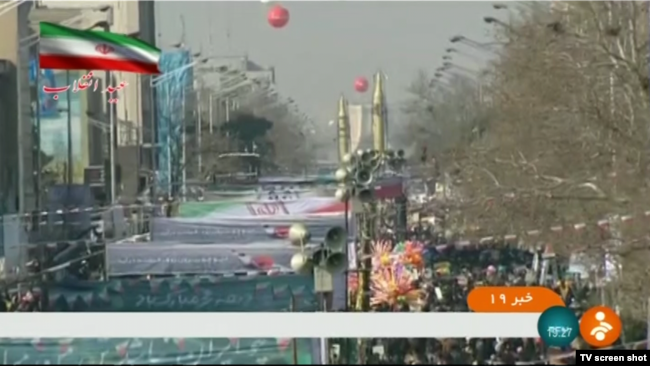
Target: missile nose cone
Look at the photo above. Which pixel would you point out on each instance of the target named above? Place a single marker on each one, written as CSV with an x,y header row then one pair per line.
x,y
342,107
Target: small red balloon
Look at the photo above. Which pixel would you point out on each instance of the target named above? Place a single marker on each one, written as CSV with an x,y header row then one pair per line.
x,y
278,16
361,84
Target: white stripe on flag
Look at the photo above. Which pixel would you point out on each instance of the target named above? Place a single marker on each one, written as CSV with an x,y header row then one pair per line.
x,y
85,48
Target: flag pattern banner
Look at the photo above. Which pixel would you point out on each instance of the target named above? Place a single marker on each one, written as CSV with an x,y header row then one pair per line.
x,y
64,48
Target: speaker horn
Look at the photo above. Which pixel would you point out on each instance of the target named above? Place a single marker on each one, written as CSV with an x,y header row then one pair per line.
x,y
335,238
401,154
363,177
319,257
366,156
300,263
336,262
299,235
365,195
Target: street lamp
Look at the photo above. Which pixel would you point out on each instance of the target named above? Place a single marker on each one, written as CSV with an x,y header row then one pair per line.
x,y
474,44
489,20
456,39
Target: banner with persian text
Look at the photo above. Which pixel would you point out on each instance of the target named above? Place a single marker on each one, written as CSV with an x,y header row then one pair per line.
x,y
167,259
156,351
237,209
238,222
179,230
187,294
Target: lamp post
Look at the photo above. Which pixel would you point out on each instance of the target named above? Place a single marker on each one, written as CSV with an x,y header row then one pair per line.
x,y
322,260
357,180
475,44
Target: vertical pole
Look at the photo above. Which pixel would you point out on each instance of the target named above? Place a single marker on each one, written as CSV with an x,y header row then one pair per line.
x,y
348,302
324,349
169,161
199,132
210,112
363,300
111,134
647,343
183,151
294,341
37,142
19,129
68,93
227,101
153,139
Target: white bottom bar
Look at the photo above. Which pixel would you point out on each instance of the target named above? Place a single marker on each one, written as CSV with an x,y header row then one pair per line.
x,y
267,325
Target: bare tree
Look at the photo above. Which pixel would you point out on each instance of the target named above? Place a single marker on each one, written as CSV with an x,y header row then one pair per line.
x,y
289,135
284,146
568,135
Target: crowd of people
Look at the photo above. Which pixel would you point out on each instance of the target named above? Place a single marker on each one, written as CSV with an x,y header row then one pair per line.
x,y
448,274
20,301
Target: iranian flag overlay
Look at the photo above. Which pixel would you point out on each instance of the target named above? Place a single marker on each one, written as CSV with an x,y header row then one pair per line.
x,y
63,48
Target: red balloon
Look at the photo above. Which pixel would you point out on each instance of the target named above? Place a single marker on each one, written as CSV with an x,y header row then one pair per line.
x,y
361,84
278,16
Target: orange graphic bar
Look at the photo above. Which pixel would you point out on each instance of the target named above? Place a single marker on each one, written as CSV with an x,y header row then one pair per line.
x,y
512,299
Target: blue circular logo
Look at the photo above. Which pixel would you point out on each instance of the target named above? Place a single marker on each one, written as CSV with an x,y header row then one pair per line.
x,y
558,326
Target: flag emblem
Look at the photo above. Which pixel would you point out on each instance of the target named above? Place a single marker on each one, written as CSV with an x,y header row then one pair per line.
x,y
104,49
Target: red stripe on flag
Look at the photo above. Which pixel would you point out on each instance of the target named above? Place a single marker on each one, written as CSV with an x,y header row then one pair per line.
x,y
95,63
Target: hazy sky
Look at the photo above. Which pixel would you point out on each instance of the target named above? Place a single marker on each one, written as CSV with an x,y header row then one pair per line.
x,y
326,45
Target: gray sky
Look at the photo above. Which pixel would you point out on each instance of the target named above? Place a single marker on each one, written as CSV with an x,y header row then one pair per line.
x,y
326,45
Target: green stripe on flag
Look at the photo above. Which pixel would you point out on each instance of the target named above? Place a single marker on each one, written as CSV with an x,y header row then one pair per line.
x,y
50,30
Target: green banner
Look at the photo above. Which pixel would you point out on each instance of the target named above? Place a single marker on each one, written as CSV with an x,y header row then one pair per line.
x,y
184,294
188,294
154,351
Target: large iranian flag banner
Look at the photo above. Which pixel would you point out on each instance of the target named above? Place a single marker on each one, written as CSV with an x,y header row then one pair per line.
x,y
64,48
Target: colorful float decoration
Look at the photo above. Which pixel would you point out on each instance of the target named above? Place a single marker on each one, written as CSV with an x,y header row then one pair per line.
x,y
394,287
382,254
395,271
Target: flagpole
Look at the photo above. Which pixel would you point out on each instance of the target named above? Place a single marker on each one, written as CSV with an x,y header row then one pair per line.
x,y
21,113
37,143
153,140
69,132
111,137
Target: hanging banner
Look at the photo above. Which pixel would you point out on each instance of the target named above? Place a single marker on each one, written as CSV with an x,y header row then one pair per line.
x,y
263,209
167,259
187,294
235,231
237,222
156,351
